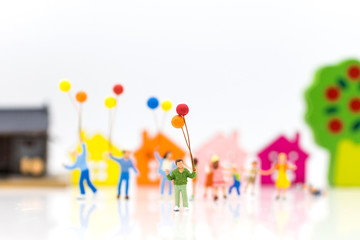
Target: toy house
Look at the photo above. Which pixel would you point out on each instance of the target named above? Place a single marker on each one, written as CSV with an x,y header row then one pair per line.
x,y
296,155
147,164
226,147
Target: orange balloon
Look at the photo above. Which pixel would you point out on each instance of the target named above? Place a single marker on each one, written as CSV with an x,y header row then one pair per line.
x,y
81,97
177,121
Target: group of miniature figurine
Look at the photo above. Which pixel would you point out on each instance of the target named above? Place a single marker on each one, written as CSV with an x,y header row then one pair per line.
x,y
177,171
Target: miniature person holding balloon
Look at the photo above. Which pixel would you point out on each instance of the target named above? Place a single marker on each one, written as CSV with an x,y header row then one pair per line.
x,y
282,182
125,164
165,164
81,164
180,175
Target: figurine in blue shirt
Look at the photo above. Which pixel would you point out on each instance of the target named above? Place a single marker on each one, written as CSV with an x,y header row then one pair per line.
x,y
125,165
165,163
81,164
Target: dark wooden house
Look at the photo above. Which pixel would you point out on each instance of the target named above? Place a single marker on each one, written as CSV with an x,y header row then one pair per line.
x,y
23,141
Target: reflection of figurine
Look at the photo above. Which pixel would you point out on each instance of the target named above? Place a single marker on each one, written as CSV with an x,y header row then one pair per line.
x,y
84,175
84,220
282,182
166,163
166,222
236,177
252,177
194,180
180,175
125,163
218,177
235,211
314,191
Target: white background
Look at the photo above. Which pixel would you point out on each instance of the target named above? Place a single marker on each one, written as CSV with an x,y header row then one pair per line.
x,y
238,65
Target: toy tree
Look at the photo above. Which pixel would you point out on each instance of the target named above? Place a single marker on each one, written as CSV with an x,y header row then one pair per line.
x,y
333,113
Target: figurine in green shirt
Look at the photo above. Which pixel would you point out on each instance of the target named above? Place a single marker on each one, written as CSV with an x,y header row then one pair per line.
x,y
180,175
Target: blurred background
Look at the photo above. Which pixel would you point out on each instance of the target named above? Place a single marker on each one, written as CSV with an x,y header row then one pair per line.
x,y
240,65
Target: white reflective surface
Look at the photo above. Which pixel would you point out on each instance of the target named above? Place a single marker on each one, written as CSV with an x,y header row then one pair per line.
x,y
56,214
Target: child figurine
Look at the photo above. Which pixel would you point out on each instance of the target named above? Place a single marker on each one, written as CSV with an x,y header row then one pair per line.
x,y
316,192
166,163
180,175
208,181
282,182
194,181
84,171
125,165
252,177
218,177
236,177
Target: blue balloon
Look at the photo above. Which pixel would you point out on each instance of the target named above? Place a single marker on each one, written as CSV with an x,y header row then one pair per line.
x,y
153,103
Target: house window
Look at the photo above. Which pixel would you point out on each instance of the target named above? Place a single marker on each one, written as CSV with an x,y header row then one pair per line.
x,y
273,156
293,156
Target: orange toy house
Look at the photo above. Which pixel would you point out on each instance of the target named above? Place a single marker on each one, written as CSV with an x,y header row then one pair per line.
x,y
146,162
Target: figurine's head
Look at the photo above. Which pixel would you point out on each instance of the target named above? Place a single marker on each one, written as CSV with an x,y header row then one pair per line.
x,y
179,163
195,161
234,169
168,155
215,161
126,154
254,164
282,158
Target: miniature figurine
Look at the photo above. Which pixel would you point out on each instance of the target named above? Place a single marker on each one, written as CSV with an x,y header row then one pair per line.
x,y
218,177
125,165
236,176
166,163
282,182
84,171
252,177
180,175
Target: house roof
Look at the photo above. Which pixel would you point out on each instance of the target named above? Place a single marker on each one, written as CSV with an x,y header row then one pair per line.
x,y
23,120
283,140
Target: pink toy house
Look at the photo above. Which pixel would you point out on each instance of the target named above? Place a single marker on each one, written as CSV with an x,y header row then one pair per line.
x,y
226,147
296,155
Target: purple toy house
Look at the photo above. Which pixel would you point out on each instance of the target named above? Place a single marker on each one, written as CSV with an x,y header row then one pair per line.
x,y
296,155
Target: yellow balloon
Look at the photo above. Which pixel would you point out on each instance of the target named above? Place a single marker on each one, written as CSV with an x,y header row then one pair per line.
x,y
65,85
166,105
110,102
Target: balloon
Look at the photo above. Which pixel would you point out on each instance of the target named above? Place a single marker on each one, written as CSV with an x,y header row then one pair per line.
x,y
182,109
153,103
81,97
65,85
177,121
110,102
166,105
118,89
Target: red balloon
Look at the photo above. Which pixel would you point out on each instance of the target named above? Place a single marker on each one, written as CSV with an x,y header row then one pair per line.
x,y
118,89
182,109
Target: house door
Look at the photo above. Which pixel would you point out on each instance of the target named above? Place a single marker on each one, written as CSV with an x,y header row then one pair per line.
x,y
4,154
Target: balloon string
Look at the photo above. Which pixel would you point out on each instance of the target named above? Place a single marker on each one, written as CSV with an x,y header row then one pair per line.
x,y
156,121
163,121
188,145
110,128
187,132
80,119
112,121
73,101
